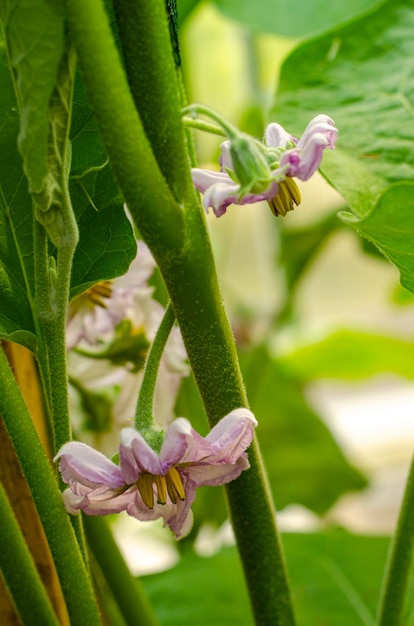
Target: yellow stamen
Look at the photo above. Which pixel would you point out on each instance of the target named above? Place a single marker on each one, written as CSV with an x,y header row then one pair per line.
x,y
175,486
144,484
92,297
288,194
171,483
99,292
161,489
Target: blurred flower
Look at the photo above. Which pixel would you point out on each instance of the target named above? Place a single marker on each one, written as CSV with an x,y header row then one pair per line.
x,y
287,157
94,314
149,486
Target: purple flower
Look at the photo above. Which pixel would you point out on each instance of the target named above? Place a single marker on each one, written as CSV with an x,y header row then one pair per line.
x,y
287,156
149,486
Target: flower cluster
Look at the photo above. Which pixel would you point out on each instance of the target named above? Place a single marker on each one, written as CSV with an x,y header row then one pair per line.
x,y
287,157
149,486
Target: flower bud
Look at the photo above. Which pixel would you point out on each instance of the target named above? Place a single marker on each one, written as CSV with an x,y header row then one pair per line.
x,y
250,165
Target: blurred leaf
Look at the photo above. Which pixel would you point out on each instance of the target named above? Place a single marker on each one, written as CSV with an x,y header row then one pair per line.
x,y
335,576
201,591
34,31
185,8
299,246
302,19
361,75
350,355
304,463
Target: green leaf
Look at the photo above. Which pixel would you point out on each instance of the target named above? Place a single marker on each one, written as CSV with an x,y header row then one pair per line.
x,y
107,243
114,244
390,226
34,31
350,355
302,19
367,90
16,227
304,463
335,576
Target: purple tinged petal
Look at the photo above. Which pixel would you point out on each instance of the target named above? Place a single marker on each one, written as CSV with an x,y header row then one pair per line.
x,y
136,456
203,179
305,158
216,474
79,462
320,124
277,137
232,435
179,436
226,162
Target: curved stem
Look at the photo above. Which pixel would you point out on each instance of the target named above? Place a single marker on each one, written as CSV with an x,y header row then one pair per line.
x,y
144,414
204,126
192,110
399,560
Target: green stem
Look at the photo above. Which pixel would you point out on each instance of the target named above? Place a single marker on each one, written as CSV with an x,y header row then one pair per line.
x,y
20,573
131,599
399,560
133,160
144,414
181,247
74,579
192,110
204,126
145,41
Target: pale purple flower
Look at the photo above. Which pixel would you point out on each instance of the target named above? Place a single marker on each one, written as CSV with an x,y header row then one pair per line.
x,y
149,486
288,157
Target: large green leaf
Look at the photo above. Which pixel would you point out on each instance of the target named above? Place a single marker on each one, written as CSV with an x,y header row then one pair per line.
x,y
34,30
302,19
16,229
304,463
350,355
391,227
361,75
335,576
107,244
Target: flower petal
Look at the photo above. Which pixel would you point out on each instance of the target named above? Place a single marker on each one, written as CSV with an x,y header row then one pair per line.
x,y
226,162
305,158
136,456
232,435
79,463
277,137
179,437
216,474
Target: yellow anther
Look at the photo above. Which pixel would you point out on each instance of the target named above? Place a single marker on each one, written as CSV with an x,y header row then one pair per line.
x,y
161,489
144,484
288,194
175,486
99,292
293,190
